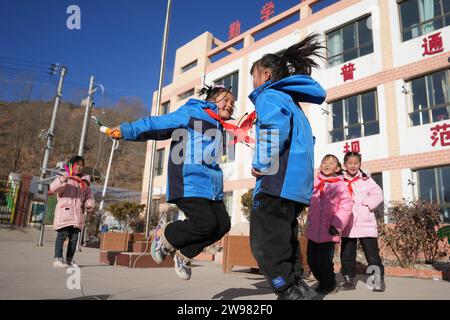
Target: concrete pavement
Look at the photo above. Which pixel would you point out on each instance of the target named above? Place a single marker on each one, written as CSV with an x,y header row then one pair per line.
x,y
26,272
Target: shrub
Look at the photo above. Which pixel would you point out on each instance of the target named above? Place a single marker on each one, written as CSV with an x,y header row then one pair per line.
x,y
247,203
414,232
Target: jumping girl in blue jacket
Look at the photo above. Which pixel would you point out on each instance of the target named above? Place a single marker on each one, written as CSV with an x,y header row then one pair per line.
x,y
195,180
283,163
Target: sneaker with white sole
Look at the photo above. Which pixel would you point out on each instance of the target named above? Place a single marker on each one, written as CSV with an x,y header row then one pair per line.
x,y
59,263
158,251
182,267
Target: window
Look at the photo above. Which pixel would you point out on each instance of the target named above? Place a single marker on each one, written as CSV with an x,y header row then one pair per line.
x,y
429,98
159,162
155,205
351,41
186,94
354,117
419,17
189,66
229,150
434,186
165,108
228,201
379,211
378,178
232,80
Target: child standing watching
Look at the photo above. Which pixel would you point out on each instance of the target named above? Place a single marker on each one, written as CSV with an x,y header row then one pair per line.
x,y
195,179
367,195
283,163
74,198
328,215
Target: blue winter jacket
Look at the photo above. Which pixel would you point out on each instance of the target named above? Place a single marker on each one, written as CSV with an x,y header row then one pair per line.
x,y
193,169
284,149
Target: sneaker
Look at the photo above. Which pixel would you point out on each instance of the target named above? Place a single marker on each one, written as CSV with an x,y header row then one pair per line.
x,y
182,267
307,292
348,283
158,251
299,292
59,263
327,290
72,263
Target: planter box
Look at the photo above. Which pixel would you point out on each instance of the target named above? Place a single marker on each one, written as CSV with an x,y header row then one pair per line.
x,y
114,241
236,252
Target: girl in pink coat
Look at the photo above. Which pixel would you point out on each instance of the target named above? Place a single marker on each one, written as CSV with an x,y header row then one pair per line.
x,y
74,198
366,195
328,215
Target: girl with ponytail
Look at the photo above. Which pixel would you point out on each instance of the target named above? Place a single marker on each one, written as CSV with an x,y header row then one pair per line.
x,y
283,163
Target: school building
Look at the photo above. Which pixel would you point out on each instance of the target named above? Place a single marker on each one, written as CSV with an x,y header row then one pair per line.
x,y
387,77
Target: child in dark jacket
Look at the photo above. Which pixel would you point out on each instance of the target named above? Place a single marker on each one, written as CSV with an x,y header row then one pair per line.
x,y
283,163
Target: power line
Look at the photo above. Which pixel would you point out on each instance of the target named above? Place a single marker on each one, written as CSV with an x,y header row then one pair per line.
x,y
26,66
25,70
26,61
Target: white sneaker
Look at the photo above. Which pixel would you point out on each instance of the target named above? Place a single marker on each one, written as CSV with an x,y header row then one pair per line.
x,y
59,263
158,251
182,267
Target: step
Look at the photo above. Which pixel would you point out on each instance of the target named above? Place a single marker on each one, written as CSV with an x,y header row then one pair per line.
x,y
141,246
109,257
127,259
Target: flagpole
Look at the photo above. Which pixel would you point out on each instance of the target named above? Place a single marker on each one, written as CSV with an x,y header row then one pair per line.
x,y
158,103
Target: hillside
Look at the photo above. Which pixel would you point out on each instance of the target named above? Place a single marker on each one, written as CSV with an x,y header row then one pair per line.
x,y
21,148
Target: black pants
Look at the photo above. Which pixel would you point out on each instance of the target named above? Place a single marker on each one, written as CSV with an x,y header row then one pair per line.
x,y
274,239
320,261
63,234
207,222
348,254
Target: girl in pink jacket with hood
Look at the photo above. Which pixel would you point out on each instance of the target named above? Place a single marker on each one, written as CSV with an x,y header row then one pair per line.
x,y
366,195
328,215
74,198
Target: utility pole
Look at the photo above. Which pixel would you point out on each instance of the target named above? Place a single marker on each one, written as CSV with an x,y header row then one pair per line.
x,y
43,187
87,113
158,103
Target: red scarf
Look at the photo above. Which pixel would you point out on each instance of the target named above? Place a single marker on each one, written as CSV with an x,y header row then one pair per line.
x,y
321,184
349,182
240,133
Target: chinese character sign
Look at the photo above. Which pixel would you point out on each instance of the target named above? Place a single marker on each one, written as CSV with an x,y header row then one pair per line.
x,y
353,147
432,44
347,71
441,136
234,30
267,11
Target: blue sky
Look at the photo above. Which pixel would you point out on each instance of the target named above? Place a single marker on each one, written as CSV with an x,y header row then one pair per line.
x,y
119,41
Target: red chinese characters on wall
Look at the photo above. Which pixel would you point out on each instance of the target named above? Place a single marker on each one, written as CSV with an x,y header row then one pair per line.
x,y
267,11
441,133
353,147
234,29
432,44
347,71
